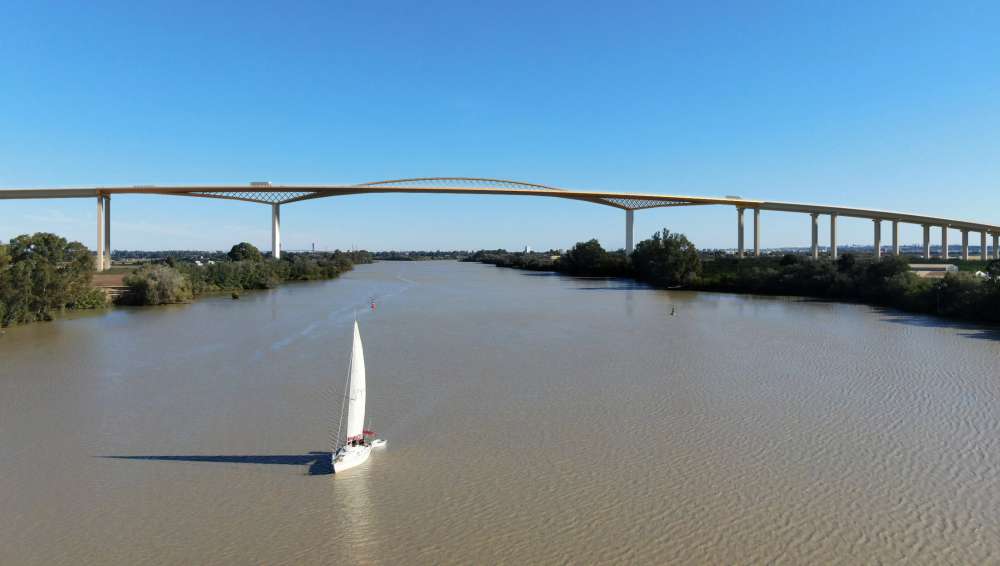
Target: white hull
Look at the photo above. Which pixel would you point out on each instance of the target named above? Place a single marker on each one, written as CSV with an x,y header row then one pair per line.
x,y
350,456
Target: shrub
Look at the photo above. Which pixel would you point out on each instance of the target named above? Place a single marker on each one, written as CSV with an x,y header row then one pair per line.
x,y
157,285
92,298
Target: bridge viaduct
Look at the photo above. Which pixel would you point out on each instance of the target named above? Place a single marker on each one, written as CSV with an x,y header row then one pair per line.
x,y
278,195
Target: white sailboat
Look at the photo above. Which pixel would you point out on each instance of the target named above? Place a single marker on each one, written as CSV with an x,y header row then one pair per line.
x,y
355,447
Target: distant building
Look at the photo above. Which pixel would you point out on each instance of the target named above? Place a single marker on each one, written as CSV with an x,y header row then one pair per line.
x,y
527,249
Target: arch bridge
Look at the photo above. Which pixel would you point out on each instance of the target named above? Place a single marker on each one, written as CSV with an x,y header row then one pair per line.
x,y
276,195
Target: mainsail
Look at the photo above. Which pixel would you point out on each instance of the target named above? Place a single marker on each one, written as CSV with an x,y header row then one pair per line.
x,y
356,395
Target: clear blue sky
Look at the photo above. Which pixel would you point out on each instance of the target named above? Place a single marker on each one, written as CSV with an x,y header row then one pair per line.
x,y
889,106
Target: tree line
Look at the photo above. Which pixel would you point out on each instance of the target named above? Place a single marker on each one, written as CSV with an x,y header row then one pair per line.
x,y
670,260
42,274
245,268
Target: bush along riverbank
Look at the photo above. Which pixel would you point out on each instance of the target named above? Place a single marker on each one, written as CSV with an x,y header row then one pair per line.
x,y
43,274
668,260
246,268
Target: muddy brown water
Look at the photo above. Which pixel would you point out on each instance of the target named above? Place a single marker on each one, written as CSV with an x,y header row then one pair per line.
x,y
530,418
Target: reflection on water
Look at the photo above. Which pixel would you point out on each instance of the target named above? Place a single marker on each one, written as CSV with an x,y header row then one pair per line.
x,y
352,492
531,418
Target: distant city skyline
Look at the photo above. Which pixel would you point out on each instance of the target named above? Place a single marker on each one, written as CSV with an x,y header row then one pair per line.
x,y
889,107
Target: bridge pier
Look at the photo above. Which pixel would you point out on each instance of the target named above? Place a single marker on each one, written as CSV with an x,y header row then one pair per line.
x,y
739,227
983,248
99,260
927,241
965,245
756,232
996,245
629,231
815,234
833,236
107,231
878,237
895,237
944,242
276,231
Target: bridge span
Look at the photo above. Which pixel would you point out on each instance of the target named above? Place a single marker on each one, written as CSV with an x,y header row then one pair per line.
x,y
277,195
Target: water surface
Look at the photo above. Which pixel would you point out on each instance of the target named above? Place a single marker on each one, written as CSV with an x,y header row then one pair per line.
x,y
531,418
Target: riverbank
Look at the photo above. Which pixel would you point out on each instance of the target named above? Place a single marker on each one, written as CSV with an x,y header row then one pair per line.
x,y
43,274
887,282
158,284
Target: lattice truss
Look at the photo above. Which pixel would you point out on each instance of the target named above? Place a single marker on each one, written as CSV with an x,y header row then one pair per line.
x,y
623,203
261,196
457,182
637,204
265,195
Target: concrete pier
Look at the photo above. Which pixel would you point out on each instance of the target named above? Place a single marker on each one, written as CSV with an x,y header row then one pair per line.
x,y
107,232
996,245
815,235
99,260
927,241
983,247
739,228
878,238
629,231
965,245
944,242
895,237
756,232
276,231
833,236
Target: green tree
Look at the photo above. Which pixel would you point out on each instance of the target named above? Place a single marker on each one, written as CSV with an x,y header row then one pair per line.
x,y
158,285
666,260
585,257
40,274
245,251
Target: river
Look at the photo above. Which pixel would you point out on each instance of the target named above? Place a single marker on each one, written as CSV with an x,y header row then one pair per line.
x,y
530,418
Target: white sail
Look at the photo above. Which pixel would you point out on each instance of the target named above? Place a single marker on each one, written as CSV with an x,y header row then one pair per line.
x,y
357,393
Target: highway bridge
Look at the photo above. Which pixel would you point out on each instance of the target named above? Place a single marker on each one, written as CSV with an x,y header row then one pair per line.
x,y
276,195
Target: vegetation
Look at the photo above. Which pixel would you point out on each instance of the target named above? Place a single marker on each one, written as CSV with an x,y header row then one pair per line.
x,y
528,260
419,255
244,251
41,274
174,282
590,259
157,285
668,260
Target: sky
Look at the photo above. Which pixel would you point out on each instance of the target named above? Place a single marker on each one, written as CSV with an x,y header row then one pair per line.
x,y
889,105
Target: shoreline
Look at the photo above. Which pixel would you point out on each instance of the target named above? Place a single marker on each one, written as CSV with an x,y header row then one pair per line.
x,y
977,323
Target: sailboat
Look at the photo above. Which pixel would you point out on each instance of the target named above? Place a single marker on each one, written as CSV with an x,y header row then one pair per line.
x,y
355,447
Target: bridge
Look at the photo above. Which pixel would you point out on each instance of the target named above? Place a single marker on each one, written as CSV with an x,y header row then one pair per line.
x,y
277,195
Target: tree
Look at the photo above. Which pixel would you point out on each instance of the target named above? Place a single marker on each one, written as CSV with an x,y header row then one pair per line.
x,y
585,257
42,273
846,262
788,259
666,259
245,251
158,285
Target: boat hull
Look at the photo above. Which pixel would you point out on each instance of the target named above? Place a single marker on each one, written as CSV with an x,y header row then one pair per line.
x,y
349,457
